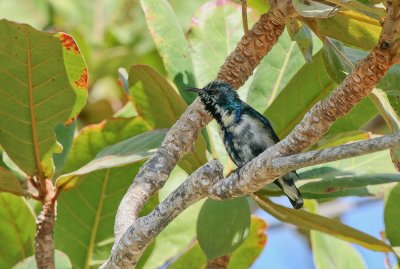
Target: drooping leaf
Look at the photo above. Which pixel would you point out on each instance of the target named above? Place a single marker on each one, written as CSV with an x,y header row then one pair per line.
x,y
171,44
223,226
43,82
61,261
302,35
332,253
17,230
314,9
242,258
310,221
129,151
160,106
392,216
310,85
9,182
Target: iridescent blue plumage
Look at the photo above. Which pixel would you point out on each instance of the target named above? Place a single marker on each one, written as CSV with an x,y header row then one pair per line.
x,y
245,132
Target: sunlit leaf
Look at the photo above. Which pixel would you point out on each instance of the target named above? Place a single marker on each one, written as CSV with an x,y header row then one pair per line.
x,y
43,82
171,44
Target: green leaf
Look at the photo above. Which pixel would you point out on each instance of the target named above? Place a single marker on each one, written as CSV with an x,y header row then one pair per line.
x,y
93,138
129,151
17,230
302,35
392,216
148,88
43,81
86,215
9,182
223,226
310,85
215,30
242,258
313,9
341,138
65,136
332,253
171,44
247,253
351,28
60,258
310,221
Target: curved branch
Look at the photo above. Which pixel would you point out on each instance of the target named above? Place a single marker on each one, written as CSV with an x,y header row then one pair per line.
x,y
180,138
136,239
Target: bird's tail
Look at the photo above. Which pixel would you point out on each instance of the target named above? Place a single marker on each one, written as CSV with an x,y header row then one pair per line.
x,y
286,184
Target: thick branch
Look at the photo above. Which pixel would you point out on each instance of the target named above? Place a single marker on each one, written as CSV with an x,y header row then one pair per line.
x,y
207,181
136,239
264,169
44,239
180,138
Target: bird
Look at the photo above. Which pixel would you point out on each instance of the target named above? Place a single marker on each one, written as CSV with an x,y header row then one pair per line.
x,y
245,132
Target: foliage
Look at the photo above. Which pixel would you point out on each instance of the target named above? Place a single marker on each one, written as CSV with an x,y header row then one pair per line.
x,y
168,46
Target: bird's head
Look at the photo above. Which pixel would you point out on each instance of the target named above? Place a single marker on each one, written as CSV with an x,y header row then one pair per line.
x,y
218,96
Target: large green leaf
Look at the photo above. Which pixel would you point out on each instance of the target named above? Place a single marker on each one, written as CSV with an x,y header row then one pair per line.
x,y
311,221
171,44
129,151
93,138
84,228
17,230
242,258
61,261
223,226
392,216
352,28
215,30
43,80
310,85
159,104
332,253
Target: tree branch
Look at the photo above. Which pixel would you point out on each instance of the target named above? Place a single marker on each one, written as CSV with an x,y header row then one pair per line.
x,y
207,181
264,169
179,140
136,239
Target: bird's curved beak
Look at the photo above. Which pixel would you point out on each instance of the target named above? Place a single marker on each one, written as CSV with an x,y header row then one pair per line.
x,y
196,90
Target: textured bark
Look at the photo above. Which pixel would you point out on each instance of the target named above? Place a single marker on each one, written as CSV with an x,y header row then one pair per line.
x,y
264,169
219,263
44,239
180,138
136,239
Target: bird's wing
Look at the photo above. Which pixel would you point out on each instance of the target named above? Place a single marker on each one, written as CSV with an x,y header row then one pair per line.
x,y
261,119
